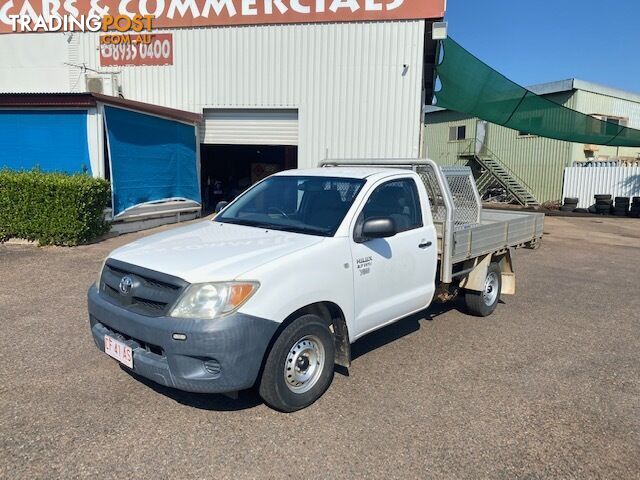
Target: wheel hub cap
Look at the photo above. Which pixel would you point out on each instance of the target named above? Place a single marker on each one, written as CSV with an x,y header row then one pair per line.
x,y
491,286
304,364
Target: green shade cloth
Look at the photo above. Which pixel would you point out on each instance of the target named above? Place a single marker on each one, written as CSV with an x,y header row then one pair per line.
x,y
470,86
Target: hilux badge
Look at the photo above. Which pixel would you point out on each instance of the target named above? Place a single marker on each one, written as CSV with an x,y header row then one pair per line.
x,y
125,285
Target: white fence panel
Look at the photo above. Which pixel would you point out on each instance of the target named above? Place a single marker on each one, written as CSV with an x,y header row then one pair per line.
x,y
585,182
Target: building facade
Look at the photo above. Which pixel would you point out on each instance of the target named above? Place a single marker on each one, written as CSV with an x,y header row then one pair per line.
x,y
271,96
537,163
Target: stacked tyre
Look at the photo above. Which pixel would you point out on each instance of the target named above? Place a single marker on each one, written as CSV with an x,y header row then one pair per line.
x,y
570,204
621,207
604,204
635,208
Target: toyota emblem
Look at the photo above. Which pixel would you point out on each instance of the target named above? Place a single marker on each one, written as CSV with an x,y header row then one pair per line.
x,y
125,285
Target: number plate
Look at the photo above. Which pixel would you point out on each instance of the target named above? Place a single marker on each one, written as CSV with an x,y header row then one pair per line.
x,y
118,350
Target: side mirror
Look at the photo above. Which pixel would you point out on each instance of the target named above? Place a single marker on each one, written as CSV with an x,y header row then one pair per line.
x,y
382,227
220,206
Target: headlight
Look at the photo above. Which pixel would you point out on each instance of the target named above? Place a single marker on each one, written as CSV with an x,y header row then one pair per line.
x,y
210,300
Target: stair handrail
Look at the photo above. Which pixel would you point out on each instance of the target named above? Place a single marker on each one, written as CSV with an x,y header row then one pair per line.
x,y
470,150
492,155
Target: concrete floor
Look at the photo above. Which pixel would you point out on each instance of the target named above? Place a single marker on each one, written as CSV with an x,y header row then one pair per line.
x,y
548,387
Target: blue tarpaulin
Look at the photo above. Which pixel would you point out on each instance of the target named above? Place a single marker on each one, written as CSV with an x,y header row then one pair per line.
x,y
151,158
52,140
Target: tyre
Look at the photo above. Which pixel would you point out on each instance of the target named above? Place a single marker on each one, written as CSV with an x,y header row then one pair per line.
x,y
299,367
602,197
482,304
604,202
581,210
571,201
636,200
592,209
622,200
567,208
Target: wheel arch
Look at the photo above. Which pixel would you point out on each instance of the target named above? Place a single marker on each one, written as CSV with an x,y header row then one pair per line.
x,y
336,320
334,315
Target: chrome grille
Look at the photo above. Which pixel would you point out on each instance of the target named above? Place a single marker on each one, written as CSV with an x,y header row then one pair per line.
x,y
151,293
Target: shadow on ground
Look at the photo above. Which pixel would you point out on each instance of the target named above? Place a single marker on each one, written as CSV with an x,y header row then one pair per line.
x,y
247,399
402,328
203,401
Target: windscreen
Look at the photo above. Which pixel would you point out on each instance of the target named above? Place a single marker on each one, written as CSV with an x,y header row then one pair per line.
x,y
300,204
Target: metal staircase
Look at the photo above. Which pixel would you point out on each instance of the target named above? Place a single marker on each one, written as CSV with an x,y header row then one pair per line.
x,y
495,172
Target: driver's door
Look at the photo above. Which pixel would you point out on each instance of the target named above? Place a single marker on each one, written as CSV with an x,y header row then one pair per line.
x,y
393,277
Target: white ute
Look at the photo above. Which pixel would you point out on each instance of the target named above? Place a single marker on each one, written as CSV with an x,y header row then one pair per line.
x,y
274,290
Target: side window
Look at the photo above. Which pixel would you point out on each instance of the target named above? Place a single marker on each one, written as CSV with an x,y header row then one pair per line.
x,y
459,132
397,199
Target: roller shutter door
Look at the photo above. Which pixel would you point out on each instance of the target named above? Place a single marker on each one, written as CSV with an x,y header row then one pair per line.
x,y
250,127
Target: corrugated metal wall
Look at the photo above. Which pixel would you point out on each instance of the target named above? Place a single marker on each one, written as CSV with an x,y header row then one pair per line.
x,y
596,104
436,136
354,96
585,182
538,161
34,62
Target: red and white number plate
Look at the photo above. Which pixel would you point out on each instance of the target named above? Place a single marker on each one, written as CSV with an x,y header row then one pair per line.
x,y
118,350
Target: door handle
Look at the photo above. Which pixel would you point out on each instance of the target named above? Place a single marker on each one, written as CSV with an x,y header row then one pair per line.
x,y
425,245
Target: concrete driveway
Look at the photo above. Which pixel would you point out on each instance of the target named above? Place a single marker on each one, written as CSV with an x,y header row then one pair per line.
x,y
548,387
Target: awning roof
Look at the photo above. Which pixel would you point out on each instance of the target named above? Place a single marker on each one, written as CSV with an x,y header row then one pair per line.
x,y
470,86
88,100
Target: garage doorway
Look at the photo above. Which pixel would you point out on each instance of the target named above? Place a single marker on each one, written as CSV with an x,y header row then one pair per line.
x,y
240,147
228,170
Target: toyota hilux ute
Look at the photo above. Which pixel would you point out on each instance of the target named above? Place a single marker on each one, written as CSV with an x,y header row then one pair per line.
x,y
273,291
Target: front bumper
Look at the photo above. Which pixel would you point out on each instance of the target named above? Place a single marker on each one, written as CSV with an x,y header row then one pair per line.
x,y
221,355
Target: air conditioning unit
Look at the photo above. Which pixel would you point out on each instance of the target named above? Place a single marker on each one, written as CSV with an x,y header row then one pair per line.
x,y
106,84
94,84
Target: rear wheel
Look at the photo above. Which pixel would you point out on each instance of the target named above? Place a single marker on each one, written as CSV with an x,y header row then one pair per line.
x,y
299,367
483,303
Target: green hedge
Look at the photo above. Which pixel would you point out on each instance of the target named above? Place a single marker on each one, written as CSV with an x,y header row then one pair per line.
x,y
52,208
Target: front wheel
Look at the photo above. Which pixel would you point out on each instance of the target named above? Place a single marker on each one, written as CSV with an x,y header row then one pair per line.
x,y
482,304
299,367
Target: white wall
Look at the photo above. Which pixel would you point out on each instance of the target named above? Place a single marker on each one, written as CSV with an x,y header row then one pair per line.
x,y
34,62
585,182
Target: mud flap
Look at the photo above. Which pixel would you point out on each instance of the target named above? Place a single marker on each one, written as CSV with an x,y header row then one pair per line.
x,y
475,279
